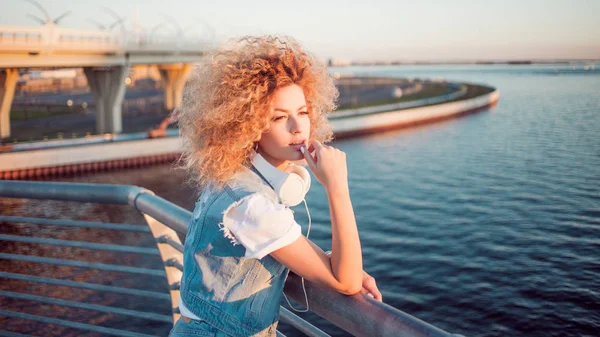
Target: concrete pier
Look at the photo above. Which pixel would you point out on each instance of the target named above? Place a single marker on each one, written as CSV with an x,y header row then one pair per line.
x,y
107,84
8,81
174,77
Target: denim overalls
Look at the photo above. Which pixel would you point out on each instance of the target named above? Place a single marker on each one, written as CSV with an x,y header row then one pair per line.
x,y
232,294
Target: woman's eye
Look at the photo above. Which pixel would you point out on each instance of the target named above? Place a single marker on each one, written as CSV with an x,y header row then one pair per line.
x,y
304,112
275,119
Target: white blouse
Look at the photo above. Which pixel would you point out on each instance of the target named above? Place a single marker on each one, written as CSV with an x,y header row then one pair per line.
x,y
260,225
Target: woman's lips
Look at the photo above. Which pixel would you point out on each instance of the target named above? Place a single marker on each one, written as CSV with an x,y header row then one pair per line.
x,y
298,146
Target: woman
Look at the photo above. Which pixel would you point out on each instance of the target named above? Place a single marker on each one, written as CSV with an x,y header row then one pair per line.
x,y
251,114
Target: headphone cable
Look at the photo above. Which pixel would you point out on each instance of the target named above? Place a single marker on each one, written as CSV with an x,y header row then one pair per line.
x,y
303,288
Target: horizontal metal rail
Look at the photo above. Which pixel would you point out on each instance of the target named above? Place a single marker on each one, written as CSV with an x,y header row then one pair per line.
x,y
97,193
80,244
73,223
297,322
83,264
359,314
12,334
85,285
88,306
76,325
140,198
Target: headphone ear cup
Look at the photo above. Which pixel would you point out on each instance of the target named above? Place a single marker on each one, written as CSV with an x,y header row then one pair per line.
x,y
303,173
291,190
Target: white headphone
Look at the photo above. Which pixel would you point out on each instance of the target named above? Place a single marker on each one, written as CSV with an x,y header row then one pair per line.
x,y
291,186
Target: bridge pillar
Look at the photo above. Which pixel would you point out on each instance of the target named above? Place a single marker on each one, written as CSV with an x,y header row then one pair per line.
x,y
108,87
8,82
174,77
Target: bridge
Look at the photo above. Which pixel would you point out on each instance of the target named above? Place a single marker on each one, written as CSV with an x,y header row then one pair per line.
x,y
106,57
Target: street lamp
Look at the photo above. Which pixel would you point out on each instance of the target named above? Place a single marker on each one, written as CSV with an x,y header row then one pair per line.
x,y
48,18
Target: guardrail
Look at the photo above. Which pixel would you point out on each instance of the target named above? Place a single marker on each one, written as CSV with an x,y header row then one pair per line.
x,y
358,315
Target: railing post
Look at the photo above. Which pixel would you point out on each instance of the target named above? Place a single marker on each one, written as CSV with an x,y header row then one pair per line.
x,y
167,252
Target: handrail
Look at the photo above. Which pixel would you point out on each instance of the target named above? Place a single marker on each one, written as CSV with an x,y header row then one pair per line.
x,y
140,198
356,314
80,224
50,37
359,315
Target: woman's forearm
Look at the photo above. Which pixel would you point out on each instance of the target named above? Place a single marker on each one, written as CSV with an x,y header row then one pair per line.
x,y
346,254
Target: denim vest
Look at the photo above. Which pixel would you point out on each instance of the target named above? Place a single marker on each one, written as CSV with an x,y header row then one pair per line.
x,y
237,295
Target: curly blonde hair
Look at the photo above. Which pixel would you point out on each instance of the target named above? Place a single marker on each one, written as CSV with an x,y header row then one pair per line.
x,y
226,103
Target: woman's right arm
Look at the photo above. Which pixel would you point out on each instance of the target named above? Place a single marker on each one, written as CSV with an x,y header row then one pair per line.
x,y
343,271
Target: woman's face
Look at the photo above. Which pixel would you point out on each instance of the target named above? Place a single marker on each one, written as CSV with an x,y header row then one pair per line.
x,y
289,126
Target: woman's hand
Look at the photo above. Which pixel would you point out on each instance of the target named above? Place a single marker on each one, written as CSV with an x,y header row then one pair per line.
x,y
369,287
328,166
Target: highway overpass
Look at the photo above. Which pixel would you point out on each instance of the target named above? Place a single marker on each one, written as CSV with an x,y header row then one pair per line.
x,y
106,58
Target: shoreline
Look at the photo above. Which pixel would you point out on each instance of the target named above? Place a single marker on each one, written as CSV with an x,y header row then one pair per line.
x,y
109,152
515,62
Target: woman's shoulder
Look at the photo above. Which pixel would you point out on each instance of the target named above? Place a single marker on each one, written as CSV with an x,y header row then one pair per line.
x,y
256,206
246,183
243,193
259,224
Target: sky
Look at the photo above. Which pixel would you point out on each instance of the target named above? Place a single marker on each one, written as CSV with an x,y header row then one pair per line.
x,y
373,30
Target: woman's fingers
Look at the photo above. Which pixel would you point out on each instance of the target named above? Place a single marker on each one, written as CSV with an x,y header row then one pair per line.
x,y
313,146
370,287
377,294
373,292
328,165
316,144
309,158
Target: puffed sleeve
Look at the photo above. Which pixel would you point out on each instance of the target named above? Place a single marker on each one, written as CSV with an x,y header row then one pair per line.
x,y
260,225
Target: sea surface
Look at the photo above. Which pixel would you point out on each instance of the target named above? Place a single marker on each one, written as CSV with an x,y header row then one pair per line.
x,y
484,225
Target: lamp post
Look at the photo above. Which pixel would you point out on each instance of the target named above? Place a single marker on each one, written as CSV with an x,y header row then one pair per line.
x,y
48,19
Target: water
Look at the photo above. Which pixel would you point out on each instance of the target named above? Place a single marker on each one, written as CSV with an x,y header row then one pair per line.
x,y
484,225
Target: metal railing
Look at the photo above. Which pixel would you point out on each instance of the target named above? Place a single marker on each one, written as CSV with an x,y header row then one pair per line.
x,y
359,315
51,37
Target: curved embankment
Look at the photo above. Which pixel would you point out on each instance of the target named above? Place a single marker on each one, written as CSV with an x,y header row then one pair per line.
x,y
109,152
470,98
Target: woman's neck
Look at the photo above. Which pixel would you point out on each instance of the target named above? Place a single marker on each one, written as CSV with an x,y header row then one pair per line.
x,y
278,163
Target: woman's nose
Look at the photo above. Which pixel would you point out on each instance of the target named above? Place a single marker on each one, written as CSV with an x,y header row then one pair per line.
x,y
295,126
